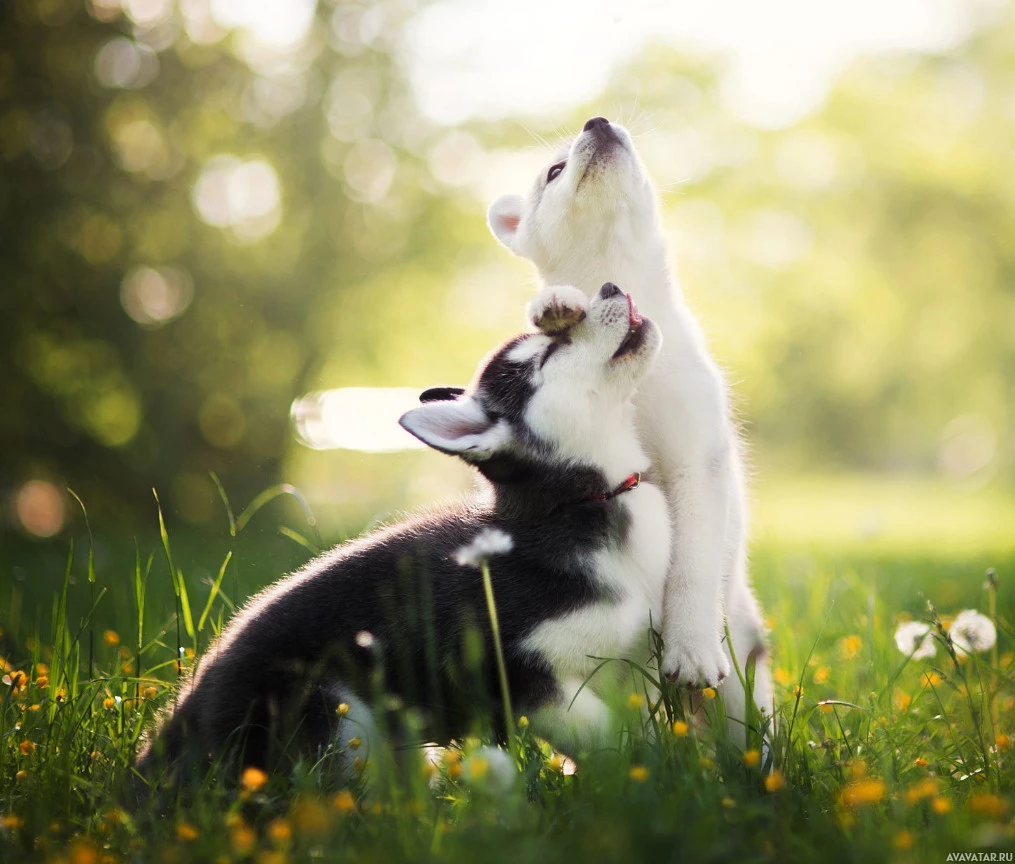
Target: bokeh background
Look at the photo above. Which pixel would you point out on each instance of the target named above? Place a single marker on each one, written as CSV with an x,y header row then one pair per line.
x,y
212,208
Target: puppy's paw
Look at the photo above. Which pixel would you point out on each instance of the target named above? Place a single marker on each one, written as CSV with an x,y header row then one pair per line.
x,y
696,662
558,307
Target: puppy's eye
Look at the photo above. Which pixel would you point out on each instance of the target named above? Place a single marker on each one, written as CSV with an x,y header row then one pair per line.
x,y
555,171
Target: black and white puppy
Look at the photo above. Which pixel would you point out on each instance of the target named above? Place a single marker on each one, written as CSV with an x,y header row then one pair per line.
x,y
549,422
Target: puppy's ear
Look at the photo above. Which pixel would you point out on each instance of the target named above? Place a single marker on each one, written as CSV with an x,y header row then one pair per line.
x,y
460,428
440,394
504,217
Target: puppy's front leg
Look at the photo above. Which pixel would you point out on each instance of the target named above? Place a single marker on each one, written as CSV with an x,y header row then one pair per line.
x,y
693,603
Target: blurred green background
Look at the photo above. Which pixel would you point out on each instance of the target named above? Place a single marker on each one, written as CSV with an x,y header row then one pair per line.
x,y
202,221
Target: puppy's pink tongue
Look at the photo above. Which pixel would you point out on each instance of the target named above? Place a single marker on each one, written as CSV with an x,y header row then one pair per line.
x,y
632,315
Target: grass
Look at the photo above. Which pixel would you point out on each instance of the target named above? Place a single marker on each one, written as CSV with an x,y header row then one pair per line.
x,y
874,756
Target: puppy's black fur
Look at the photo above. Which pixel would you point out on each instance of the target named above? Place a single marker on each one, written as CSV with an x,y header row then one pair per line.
x,y
269,687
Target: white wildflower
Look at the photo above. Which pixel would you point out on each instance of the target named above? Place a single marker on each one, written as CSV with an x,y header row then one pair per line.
x,y
915,639
972,632
490,768
486,544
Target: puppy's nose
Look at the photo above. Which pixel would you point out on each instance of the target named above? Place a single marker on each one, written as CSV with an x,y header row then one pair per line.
x,y
594,122
609,290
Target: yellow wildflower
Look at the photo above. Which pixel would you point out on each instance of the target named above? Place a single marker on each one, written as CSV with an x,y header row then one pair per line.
x,y
822,674
280,831
1003,742
635,701
42,682
21,776
728,803
252,779
243,838
523,722
920,762
988,804
709,693
903,840
27,747
344,802
310,816
478,767
925,788
679,728
930,679
83,852
798,691
11,822
343,709
638,773
901,700
34,707
782,677
850,647
150,692
109,703
860,793
186,832
355,743
752,758
555,763
111,638
774,781
941,805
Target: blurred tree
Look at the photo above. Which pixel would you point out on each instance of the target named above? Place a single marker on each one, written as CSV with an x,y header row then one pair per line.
x,y
178,202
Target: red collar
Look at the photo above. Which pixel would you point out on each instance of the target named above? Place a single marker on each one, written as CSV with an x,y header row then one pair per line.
x,y
631,482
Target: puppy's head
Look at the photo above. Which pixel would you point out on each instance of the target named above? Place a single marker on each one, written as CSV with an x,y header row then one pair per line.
x,y
550,397
594,190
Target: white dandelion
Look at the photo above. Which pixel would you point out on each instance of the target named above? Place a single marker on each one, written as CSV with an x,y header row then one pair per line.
x,y
915,640
490,768
486,544
972,633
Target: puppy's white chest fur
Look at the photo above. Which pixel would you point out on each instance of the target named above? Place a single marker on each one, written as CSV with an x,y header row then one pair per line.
x,y
632,575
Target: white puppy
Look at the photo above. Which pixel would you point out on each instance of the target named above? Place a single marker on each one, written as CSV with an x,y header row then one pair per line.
x,y
592,217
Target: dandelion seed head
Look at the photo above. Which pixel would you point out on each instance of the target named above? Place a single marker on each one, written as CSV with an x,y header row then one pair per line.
x,y
487,544
915,638
972,633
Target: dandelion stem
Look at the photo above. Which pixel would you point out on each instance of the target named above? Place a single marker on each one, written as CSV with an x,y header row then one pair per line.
x,y
994,663
509,719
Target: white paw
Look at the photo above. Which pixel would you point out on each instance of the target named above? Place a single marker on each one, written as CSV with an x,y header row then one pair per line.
x,y
558,307
695,662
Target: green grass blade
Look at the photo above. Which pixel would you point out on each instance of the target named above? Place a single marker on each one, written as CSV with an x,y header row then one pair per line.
x,y
214,591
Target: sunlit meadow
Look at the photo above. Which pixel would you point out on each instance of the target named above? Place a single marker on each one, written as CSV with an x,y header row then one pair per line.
x,y
238,238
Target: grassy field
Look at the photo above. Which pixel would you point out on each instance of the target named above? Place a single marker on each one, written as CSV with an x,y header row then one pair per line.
x,y
874,756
